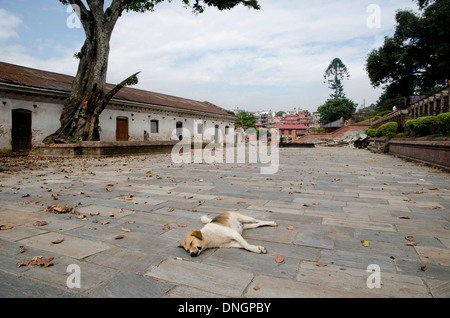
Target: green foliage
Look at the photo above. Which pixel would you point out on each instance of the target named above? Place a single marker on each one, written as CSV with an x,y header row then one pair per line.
x,y
335,73
336,108
371,132
387,130
197,5
246,119
417,57
444,122
424,126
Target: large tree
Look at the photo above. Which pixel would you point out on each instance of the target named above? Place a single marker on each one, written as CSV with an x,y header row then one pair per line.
x,y
417,57
336,108
335,73
88,97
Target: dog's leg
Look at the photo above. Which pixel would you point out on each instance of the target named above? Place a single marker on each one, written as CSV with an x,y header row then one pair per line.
x,y
242,243
252,223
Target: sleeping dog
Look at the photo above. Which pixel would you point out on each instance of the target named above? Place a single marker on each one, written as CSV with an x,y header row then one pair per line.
x,y
224,230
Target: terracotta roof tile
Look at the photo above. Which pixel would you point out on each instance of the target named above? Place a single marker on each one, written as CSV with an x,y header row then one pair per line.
x,y
20,75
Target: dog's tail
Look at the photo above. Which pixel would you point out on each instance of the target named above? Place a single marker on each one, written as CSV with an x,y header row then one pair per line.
x,y
205,219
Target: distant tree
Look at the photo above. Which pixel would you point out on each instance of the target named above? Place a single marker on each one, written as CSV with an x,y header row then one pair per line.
x,y
335,73
246,119
280,113
336,108
88,97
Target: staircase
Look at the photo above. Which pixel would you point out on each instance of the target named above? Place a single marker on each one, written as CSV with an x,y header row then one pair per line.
x,y
335,135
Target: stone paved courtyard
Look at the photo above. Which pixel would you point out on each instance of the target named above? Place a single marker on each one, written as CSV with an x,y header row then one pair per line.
x,y
338,211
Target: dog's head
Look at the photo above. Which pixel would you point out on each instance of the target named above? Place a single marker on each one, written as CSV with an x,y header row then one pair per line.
x,y
193,243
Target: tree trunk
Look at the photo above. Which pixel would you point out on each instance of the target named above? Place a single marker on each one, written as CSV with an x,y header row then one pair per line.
x,y
88,98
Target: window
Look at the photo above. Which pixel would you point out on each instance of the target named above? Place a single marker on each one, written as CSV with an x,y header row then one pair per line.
x,y
200,128
154,127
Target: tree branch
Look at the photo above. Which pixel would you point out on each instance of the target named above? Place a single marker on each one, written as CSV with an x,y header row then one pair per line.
x,y
128,81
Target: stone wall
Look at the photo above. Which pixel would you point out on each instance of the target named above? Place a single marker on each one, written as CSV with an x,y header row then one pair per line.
x,y
435,152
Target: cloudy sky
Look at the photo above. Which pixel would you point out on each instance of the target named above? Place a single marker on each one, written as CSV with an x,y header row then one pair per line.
x,y
270,59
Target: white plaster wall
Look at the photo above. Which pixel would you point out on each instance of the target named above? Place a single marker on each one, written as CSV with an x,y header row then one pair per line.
x,y
44,119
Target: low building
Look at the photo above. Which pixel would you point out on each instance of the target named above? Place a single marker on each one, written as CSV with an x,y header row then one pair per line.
x,y
31,102
292,131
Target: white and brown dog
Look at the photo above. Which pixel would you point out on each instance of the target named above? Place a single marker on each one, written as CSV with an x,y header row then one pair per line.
x,y
224,230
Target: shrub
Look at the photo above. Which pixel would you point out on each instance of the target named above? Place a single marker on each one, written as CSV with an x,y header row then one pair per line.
x,y
371,132
387,130
427,125
444,123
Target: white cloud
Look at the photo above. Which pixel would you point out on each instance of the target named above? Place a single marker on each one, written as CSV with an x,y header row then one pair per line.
x,y
271,58
8,24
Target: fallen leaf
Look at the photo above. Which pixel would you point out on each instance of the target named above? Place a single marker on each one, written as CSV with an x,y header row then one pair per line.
x,y
168,192
22,249
182,225
166,227
119,237
256,288
109,190
58,241
290,227
125,229
409,238
188,196
423,268
279,259
40,223
111,214
5,227
410,244
321,265
365,243
435,207
105,222
94,213
170,209
23,263
405,217
131,222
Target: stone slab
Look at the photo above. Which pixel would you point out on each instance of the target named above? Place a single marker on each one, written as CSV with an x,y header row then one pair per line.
x,y
129,285
72,246
223,281
275,287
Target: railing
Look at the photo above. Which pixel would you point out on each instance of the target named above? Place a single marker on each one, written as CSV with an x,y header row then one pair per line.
x,y
432,105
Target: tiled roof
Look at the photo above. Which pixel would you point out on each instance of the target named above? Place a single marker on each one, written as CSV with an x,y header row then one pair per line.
x,y
25,76
296,126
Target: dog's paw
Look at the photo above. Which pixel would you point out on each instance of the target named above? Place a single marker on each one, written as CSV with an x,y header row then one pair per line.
x,y
262,250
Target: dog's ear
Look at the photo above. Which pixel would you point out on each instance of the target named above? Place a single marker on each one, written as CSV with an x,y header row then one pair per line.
x,y
198,235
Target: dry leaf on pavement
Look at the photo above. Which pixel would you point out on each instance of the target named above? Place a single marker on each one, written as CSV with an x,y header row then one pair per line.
x,y
279,259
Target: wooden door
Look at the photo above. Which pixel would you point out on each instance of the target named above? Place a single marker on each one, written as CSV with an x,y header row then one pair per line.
x,y
21,130
122,129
